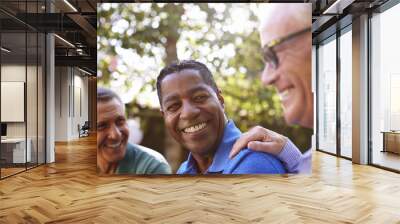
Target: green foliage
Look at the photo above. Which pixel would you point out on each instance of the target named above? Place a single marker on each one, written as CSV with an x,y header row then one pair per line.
x,y
156,34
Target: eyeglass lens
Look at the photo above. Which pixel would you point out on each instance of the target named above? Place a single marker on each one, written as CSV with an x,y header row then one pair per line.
x,y
270,57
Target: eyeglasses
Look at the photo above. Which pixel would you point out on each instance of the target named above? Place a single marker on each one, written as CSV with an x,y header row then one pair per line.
x,y
269,53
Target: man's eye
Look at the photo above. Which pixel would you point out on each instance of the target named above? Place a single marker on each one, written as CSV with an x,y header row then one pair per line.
x,y
200,98
120,122
101,126
172,108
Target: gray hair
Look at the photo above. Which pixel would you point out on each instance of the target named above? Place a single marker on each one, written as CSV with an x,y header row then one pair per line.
x,y
105,95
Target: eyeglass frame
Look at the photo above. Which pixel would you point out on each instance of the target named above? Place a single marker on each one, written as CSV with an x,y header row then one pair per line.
x,y
269,47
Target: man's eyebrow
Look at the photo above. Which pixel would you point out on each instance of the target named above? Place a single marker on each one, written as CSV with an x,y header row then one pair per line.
x,y
168,98
100,122
196,89
121,117
190,92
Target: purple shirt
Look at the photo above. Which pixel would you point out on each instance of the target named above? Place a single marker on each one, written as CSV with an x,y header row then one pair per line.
x,y
293,160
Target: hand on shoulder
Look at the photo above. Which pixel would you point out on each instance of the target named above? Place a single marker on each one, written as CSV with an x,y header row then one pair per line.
x,y
260,139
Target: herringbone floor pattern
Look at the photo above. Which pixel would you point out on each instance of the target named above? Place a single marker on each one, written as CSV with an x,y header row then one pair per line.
x,y
69,191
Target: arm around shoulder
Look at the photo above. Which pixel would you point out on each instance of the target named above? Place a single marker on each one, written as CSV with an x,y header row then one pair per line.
x,y
293,160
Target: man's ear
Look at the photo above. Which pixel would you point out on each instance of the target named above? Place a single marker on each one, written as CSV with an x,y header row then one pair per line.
x,y
221,98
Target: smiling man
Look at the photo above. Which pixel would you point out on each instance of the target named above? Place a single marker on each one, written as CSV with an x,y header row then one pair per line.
x,y
114,154
193,111
285,34
287,55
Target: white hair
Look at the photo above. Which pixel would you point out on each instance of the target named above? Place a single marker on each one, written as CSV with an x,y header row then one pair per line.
x,y
299,13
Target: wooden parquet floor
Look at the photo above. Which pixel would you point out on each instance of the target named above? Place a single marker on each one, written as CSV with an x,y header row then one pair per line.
x,y
9,171
69,191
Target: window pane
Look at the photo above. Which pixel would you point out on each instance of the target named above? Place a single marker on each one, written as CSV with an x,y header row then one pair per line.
x,y
345,94
22,82
14,153
327,97
385,86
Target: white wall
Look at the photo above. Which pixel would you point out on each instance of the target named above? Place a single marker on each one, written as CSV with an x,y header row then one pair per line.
x,y
61,103
71,94
80,101
13,73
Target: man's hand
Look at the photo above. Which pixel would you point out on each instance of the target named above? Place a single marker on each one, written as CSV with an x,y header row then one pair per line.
x,y
259,139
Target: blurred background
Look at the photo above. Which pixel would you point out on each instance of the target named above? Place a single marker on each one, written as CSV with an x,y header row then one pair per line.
x,y
135,41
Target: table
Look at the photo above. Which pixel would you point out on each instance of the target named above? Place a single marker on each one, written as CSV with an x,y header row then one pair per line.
x,y
391,141
13,150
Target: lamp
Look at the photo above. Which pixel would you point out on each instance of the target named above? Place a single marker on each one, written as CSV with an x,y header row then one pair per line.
x,y
5,50
64,40
84,71
71,6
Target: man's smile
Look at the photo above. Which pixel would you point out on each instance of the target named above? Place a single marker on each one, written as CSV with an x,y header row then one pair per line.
x,y
194,128
284,93
115,145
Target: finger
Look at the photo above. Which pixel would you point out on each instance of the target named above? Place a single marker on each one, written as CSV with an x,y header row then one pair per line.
x,y
268,147
239,145
244,140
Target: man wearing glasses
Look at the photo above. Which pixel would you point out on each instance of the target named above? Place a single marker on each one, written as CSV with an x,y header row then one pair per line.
x,y
285,35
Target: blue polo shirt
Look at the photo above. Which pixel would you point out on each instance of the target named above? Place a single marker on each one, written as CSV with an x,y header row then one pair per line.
x,y
246,162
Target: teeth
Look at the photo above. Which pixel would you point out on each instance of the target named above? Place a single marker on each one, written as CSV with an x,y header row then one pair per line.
x,y
114,145
284,94
194,128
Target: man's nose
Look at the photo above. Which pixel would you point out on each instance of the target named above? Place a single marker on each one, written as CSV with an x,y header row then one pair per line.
x,y
115,133
189,111
269,75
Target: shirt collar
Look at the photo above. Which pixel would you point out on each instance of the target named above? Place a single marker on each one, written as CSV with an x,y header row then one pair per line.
x,y
126,164
221,157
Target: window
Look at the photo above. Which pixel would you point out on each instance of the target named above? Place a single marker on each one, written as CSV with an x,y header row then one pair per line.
x,y
346,93
385,89
21,75
327,96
